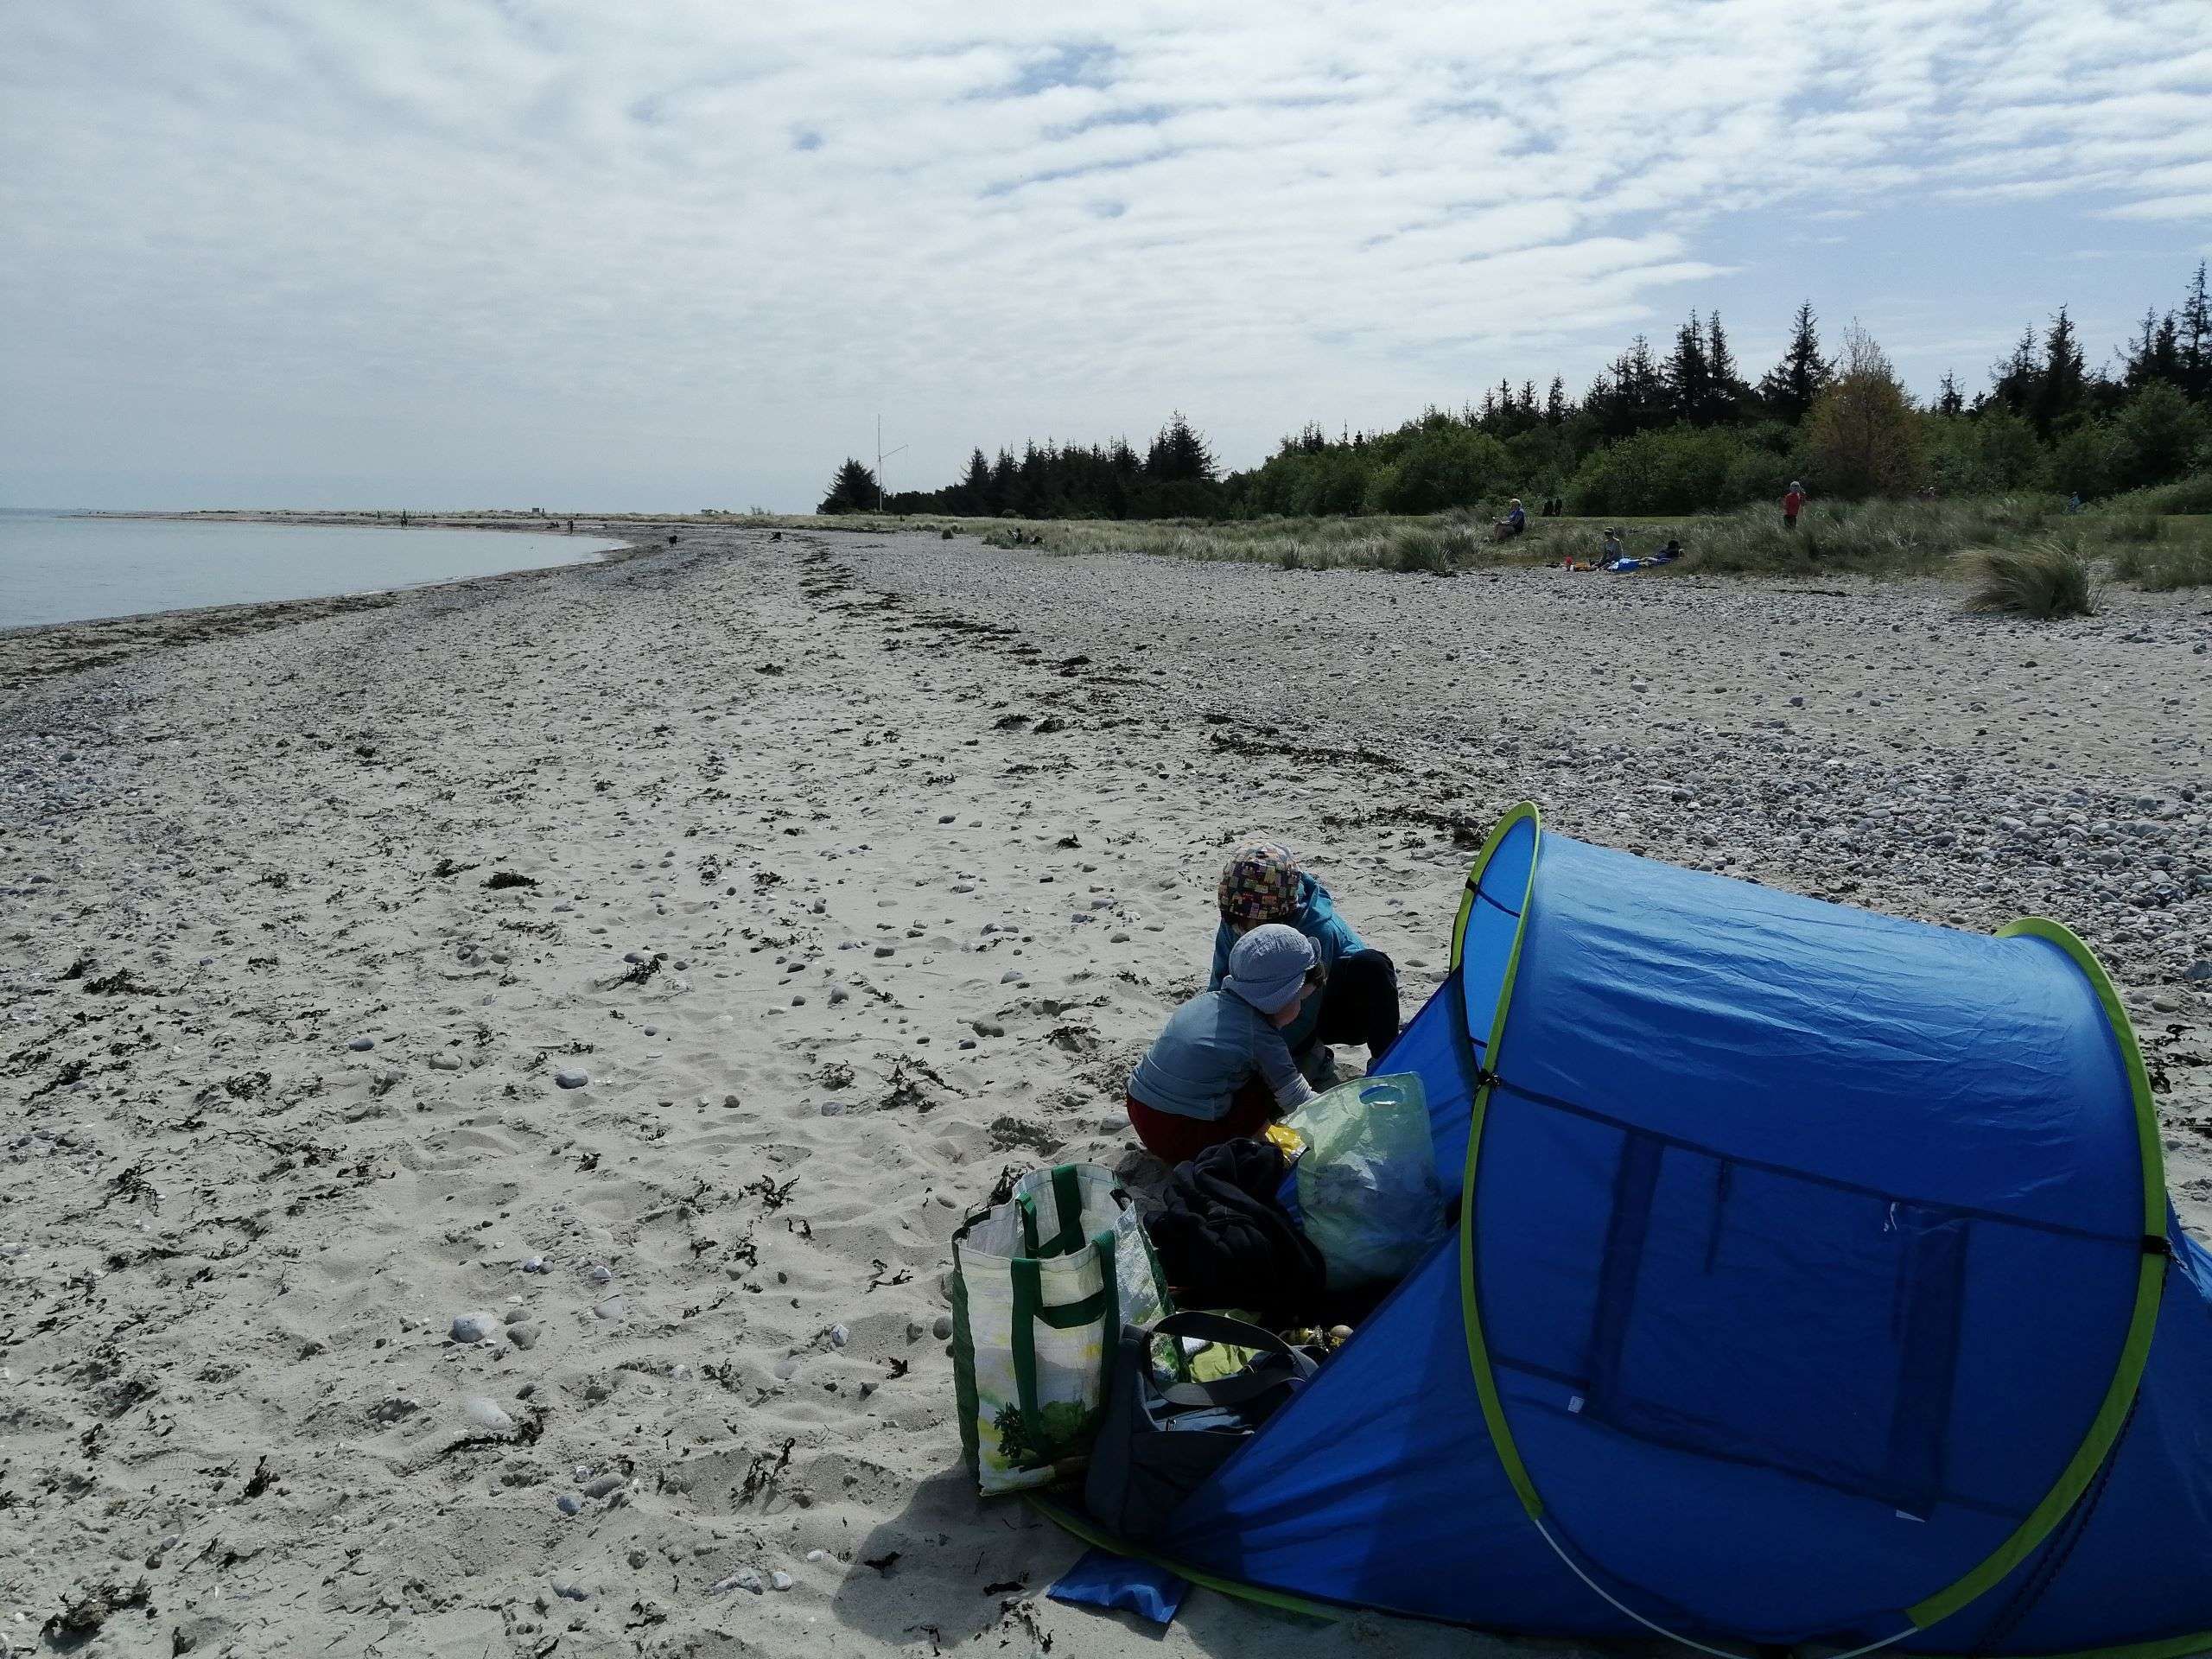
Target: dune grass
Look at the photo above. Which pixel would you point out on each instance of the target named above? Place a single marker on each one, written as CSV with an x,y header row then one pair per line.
x,y
2046,578
2163,567
2138,538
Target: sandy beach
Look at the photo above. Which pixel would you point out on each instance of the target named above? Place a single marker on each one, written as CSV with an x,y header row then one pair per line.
x,y
642,966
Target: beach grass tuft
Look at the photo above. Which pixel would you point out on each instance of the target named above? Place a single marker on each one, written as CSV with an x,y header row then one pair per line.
x,y
2046,579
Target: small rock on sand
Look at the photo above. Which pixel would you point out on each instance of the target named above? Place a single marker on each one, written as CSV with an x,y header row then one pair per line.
x,y
362,1044
474,1327
572,1077
614,1309
486,1414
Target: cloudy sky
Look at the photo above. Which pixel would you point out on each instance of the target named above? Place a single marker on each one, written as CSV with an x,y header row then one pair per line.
x,y
681,253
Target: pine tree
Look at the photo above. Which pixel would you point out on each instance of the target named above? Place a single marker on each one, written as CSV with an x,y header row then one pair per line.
x,y
1688,375
2195,338
2064,386
1948,400
2154,358
853,490
1728,388
2013,382
1788,388
975,490
1178,455
1556,408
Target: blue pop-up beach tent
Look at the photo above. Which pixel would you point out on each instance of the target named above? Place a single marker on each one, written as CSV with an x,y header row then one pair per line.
x,y
1816,1284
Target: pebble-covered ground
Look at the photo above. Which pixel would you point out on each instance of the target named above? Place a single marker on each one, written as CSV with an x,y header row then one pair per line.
x,y
488,1078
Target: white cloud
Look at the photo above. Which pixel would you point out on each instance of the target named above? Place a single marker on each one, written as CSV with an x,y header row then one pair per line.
x,y
681,253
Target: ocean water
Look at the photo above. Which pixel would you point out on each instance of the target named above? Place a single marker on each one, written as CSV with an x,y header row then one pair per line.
x,y
57,567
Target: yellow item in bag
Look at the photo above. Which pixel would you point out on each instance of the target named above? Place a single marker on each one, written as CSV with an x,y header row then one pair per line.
x,y
1283,1136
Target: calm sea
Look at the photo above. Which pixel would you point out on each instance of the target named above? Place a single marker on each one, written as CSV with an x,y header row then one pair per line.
x,y
56,568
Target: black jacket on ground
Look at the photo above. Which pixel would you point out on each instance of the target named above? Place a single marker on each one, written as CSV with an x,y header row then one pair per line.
x,y
1223,1242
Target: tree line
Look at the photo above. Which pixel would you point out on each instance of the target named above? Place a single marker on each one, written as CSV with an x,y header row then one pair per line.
x,y
1665,431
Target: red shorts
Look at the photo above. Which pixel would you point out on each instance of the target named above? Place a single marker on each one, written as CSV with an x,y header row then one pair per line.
x,y
1176,1140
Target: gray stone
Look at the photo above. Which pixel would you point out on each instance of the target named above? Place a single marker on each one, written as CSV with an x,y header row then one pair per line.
x,y
572,1077
474,1327
362,1044
942,1328
614,1309
603,1486
569,1504
486,1413
445,1062
523,1337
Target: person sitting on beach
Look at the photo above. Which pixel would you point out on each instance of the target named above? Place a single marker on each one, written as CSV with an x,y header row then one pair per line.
x,y
1516,521
1262,883
1612,550
1672,550
1221,1069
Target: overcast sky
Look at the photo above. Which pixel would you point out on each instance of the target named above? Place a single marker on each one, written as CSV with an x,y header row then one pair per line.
x,y
681,253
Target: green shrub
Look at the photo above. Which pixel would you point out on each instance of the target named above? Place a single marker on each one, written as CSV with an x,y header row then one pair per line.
x,y
2045,578
2192,494
2162,568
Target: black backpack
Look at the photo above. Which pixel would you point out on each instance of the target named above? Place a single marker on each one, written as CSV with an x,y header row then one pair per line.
x,y
1158,1441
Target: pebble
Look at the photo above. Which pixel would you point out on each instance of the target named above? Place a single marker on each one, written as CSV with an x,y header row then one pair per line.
x,y
1012,976
601,1274
604,1485
942,1328
486,1414
569,1590
572,1077
614,1309
833,1109
523,1337
474,1327
535,1264
445,1062
744,1579
839,1336
780,1580
362,1044
569,1504
818,1554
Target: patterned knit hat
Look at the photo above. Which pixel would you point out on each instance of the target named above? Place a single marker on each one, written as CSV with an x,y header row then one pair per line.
x,y
1260,883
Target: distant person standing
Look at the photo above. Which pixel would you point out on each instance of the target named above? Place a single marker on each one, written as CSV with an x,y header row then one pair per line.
x,y
1793,503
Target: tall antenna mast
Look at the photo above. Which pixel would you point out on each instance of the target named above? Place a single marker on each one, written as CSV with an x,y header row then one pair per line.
x,y
879,458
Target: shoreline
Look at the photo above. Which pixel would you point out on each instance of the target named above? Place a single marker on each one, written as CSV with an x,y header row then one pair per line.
x,y
36,650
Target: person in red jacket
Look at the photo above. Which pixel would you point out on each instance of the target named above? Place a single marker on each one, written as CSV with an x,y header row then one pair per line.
x,y
1792,504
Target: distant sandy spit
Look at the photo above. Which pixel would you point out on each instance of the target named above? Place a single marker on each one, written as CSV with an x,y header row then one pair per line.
x,y
488,1072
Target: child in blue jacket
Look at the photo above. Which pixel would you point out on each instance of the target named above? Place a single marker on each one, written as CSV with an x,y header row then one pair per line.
x,y
1357,1001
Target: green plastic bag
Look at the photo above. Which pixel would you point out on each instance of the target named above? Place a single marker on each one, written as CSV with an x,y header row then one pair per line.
x,y
1366,1186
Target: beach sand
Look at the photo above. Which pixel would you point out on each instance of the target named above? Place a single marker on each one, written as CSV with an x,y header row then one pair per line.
x,y
845,872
